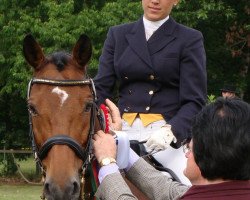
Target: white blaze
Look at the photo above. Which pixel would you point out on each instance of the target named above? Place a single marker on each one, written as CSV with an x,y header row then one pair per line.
x,y
63,95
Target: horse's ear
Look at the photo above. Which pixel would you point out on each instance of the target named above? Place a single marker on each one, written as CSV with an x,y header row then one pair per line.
x,y
82,50
32,51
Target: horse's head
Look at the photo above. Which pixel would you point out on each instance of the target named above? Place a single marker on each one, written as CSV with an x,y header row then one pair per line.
x,y
60,103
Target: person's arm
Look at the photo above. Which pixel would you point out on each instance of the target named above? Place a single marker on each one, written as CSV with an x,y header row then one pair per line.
x,y
192,95
112,185
149,180
113,168
193,86
154,183
106,77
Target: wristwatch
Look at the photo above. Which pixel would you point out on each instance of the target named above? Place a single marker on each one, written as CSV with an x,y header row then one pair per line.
x,y
107,161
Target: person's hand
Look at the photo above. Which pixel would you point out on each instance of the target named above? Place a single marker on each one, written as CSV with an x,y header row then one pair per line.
x,y
104,146
114,117
160,139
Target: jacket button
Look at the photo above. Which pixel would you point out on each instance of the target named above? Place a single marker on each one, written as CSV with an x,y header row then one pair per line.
x,y
126,109
151,77
126,77
151,92
147,108
130,91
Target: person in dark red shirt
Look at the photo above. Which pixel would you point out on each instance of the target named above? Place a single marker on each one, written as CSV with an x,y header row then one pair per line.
x,y
218,160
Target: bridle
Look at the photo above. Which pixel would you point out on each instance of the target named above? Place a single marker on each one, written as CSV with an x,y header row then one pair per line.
x,y
83,154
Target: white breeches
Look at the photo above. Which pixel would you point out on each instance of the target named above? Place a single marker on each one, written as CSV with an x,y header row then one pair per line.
x,y
171,158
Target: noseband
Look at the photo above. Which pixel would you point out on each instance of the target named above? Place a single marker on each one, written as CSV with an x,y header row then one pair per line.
x,y
83,154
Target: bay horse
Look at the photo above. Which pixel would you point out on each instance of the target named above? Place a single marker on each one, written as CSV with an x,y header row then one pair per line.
x,y
62,113
61,108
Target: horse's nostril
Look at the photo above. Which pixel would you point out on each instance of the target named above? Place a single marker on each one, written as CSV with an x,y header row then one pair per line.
x,y
46,188
75,188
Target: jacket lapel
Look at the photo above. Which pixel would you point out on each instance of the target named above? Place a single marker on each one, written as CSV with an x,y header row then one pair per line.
x,y
162,37
137,41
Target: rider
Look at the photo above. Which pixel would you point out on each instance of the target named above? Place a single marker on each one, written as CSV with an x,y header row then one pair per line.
x,y
160,66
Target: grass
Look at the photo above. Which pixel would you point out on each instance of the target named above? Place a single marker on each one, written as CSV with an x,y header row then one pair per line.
x,y
14,187
27,167
20,192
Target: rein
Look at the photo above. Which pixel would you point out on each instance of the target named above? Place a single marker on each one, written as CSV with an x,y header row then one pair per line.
x,y
83,154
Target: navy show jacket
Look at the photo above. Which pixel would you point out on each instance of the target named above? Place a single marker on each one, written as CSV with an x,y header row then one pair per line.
x,y
166,74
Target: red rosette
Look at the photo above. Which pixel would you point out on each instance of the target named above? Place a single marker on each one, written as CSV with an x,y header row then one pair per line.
x,y
105,112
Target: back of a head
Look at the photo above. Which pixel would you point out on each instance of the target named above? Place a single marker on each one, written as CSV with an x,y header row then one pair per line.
x,y
221,140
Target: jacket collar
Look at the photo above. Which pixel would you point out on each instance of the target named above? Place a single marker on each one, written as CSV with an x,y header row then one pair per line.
x,y
137,39
162,36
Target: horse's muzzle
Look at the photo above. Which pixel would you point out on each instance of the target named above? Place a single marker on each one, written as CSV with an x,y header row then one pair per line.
x,y
71,191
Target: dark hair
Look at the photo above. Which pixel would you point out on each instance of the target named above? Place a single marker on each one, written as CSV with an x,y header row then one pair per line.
x,y
228,88
221,140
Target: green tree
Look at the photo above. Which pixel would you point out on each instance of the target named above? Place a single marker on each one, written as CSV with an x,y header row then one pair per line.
x,y
238,42
57,24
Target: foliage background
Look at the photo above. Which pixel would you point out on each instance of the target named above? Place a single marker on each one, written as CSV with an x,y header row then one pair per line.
x,y
57,24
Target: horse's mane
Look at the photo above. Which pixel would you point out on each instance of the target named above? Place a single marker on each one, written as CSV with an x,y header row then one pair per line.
x,y
60,59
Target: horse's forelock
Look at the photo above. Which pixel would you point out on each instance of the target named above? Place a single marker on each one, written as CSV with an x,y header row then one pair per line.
x,y
60,59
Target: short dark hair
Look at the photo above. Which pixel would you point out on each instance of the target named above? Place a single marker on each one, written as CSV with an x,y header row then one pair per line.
x,y
228,88
221,140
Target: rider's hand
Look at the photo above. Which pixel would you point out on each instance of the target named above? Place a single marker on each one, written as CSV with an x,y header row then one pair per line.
x,y
114,117
160,139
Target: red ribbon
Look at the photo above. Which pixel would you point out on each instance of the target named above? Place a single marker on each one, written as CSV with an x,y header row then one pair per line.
x,y
106,120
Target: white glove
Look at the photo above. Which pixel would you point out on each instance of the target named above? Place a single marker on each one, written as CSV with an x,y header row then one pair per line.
x,y
160,139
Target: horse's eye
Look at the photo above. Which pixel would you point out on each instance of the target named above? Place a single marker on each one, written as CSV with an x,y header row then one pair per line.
x,y
88,107
32,110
